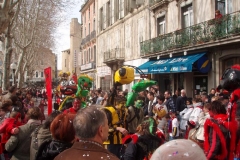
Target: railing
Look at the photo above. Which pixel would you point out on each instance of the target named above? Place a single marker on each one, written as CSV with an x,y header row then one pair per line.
x,y
212,30
93,34
152,2
114,54
87,38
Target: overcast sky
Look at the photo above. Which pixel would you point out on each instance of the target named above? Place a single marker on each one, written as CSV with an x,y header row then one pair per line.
x,y
62,36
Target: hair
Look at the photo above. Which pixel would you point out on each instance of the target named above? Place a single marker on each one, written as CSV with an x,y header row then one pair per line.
x,y
204,94
6,103
34,113
189,100
197,100
50,118
168,92
215,98
151,93
14,99
12,89
146,128
207,106
62,127
88,121
161,98
15,114
217,11
212,89
217,107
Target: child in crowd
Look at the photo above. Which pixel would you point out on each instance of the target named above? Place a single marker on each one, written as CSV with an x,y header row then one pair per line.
x,y
174,134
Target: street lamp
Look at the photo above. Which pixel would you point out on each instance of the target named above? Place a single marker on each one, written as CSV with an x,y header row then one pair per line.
x,y
13,67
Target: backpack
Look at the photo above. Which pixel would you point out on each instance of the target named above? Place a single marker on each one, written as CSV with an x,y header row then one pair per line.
x,y
42,146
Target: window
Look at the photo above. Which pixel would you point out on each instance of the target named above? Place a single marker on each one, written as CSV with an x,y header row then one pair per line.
x,y
187,16
89,13
89,28
85,32
108,13
41,74
117,9
65,63
36,74
220,5
93,7
101,19
94,24
94,56
161,25
121,9
89,54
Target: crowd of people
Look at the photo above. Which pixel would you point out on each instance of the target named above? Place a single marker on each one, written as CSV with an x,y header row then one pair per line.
x,y
157,126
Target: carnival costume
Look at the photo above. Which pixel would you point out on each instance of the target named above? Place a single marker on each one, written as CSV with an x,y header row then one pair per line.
x,y
230,81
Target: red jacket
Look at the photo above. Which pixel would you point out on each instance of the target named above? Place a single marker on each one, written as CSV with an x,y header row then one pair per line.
x,y
70,110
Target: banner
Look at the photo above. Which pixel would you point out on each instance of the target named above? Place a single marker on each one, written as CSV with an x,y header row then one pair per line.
x,y
48,79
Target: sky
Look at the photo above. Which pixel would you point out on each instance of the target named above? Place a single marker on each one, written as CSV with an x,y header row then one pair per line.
x,y
62,35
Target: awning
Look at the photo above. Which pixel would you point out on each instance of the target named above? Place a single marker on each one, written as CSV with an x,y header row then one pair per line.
x,y
170,65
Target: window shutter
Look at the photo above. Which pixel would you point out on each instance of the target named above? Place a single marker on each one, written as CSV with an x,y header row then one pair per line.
x,y
112,2
121,11
139,2
132,5
104,16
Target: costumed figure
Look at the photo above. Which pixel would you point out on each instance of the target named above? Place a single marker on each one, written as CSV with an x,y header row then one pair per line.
x,y
144,142
80,91
230,81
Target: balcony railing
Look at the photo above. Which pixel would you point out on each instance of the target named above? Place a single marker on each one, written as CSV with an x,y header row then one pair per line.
x,y
208,31
160,2
93,34
87,38
114,55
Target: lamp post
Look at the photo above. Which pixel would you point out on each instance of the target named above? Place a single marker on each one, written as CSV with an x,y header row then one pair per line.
x,y
13,67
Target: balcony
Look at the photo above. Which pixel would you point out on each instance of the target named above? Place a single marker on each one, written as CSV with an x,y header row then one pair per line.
x,y
156,3
114,56
205,34
93,34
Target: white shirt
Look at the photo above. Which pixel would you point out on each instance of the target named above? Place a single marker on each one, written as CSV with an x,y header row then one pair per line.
x,y
175,123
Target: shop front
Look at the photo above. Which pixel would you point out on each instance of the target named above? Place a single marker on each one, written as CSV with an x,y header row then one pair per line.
x,y
104,78
188,72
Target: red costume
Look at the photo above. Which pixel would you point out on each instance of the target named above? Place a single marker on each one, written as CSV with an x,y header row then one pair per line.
x,y
230,81
70,110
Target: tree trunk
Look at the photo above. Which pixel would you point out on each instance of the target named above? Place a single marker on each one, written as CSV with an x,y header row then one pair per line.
x,y
7,51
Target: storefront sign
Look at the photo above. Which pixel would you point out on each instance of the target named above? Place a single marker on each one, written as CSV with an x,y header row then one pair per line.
x,y
86,66
204,65
103,71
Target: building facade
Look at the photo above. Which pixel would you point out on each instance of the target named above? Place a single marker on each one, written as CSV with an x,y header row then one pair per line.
x,y
66,60
88,43
189,46
46,59
122,25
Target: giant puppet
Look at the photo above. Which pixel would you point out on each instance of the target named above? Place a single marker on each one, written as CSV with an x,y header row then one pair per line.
x,y
230,81
71,90
117,107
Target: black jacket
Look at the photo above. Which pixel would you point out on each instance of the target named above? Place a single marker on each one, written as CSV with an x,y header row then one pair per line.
x,y
181,103
52,149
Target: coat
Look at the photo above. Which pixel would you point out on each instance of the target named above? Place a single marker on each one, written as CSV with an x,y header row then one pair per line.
x,y
134,118
201,120
37,138
87,150
19,144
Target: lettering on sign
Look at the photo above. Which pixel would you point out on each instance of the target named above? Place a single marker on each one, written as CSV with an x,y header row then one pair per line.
x,y
86,66
160,62
177,60
174,69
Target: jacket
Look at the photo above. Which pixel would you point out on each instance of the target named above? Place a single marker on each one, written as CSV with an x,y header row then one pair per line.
x,y
53,149
185,114
134,118
19,144
181,103
37,138
170,104
86,150
200,132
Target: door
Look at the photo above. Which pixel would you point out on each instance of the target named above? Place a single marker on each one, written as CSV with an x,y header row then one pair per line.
x,y
201,85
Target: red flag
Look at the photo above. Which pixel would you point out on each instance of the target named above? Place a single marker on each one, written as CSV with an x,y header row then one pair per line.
x,y
48,78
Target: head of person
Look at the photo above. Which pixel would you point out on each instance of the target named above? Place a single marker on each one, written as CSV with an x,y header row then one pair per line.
x,y
167,94
16,115
177,92
206,107
160,99
34,113
189,102
13,90
212,91
150,96
7,105
180,149
204,97
50,118
214,98
98,130
196,100
183,93
172,114
147,127
225,100
62,128
217,12
28,96
216,108
76,104
14,99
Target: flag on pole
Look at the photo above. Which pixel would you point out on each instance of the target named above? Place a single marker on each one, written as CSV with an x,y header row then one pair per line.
x,y
48,79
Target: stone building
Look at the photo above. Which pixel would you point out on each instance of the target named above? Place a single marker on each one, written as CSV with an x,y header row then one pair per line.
x,y
88,44
122,25
66,60
46,58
